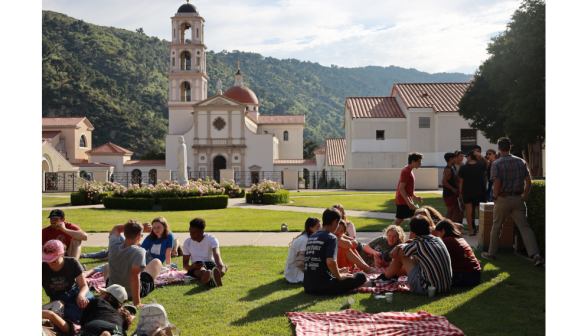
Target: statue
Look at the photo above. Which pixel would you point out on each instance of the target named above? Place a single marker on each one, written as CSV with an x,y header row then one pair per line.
x,y
219,86
182,162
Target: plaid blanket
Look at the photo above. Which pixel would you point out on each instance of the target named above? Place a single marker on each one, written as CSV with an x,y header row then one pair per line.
x,y
165,278
353,322
401,285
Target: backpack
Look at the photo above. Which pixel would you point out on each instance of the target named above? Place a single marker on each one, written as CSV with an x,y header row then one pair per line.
x,y
152,319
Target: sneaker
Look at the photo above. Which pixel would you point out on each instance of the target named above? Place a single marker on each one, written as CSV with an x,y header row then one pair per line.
x,y
131,309
538,261
206,277
488,256
216,277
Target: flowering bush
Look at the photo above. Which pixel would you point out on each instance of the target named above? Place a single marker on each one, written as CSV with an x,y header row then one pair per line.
x,y
93,191
170,189
267,186
231,188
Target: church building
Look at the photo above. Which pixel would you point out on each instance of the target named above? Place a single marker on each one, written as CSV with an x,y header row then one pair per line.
x,y
227,130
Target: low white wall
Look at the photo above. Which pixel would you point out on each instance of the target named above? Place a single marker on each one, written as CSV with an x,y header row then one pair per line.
x,y
290,179
387,179
227,175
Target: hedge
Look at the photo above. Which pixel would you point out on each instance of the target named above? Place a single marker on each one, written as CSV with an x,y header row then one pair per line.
x,y
82,199
128,203
269,198
536,214
241,194
194,203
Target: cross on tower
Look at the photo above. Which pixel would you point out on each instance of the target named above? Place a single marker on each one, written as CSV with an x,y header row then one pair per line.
x,y
238,65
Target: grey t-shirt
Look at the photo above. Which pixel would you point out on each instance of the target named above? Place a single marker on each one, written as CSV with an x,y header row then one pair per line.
x,y
120,261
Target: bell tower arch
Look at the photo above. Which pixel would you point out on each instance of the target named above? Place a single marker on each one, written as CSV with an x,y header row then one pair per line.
x,y
187,67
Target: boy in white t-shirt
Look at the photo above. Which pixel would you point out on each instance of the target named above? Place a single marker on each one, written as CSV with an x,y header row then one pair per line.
x,y
202,257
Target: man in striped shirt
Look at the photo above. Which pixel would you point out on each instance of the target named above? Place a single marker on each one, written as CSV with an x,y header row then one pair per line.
x,y
511,187
426,260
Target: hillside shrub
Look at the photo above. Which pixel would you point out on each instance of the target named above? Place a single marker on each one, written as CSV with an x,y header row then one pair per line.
x,y
194,203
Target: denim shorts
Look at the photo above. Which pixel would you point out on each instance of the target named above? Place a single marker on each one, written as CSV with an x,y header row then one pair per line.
x,y
414,281
208,265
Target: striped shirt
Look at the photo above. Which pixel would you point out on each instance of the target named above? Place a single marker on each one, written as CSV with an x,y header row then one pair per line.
x,y
434,261
511,171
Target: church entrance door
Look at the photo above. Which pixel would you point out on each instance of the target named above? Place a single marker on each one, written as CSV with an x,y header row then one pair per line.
x,y
219,163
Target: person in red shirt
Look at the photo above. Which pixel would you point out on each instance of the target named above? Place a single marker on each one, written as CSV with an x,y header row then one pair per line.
x,y
69,234
405,192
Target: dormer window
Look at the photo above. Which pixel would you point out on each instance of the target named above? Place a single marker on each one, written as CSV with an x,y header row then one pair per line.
x,y
285,135
83,142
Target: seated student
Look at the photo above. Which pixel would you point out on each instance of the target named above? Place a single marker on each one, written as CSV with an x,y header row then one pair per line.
x,y
436,216
160,241
105,315
466,269
62,279
350,227
294,270
321,274
371,253
347,256
202,257
126,262
425,260
57,325
69,234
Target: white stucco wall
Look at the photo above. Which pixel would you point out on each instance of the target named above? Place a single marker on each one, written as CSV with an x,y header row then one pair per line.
x,y
259,151
291,149
116,160
379,160
180,119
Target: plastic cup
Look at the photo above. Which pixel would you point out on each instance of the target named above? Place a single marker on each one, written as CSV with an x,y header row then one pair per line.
x,y
187,279
389,297
432,291
348,303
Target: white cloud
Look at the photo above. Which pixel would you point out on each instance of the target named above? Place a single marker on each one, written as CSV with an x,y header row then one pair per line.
x,y
427,35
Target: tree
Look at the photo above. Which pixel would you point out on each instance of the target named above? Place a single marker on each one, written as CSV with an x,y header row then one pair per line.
x,y
308,148
140,31
507,94
153,155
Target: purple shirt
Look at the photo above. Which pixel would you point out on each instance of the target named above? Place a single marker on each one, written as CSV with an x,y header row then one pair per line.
x,y
511,171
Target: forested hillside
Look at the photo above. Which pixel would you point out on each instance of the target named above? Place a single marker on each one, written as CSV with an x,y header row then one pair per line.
x,y
117,78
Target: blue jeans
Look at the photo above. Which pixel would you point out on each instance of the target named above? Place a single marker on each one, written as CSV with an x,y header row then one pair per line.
x,y
101,254
72,311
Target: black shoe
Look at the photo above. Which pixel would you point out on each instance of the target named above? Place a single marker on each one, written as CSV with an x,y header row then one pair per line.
x,y
93,289
382,277
131,309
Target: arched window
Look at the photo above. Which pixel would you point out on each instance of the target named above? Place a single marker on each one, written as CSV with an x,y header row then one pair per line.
x,y
174,61
285,135
136,176
153,176
83,142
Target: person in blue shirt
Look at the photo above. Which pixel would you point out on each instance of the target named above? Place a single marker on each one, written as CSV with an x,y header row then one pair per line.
x,y
160,241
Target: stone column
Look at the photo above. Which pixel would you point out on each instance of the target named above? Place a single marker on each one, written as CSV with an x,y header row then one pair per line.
x,y
164,175
290,179
208,141
227,174
101,175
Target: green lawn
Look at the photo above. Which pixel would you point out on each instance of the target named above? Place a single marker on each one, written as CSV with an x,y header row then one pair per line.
x,y
256,297
230,219
378,203
321,193
55,202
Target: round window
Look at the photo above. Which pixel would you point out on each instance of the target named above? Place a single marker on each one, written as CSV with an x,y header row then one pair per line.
x,y
219,123
202,158
236,158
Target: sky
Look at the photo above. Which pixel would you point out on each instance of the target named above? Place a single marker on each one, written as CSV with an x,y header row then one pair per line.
x,y
428,35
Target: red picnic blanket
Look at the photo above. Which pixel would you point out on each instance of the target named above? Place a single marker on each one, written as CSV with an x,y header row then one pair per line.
x,y
353,322
166,278
401,285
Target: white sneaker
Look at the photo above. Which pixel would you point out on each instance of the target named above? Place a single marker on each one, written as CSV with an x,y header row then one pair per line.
x,y
206,277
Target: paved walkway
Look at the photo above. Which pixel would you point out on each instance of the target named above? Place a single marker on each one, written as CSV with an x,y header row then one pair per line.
x,y
282,239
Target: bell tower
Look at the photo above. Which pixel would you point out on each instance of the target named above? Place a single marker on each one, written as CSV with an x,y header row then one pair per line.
x,y
187,67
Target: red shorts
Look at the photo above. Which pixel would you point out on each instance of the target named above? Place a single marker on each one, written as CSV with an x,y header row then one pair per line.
x,y
450,201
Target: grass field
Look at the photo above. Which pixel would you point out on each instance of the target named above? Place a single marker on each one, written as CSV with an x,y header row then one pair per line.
x,y
323,193
230,219
377,203
255,298
55,202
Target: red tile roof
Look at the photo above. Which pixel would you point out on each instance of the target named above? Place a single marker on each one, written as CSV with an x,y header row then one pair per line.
x,y
145,163
281,119
374,107
335,151
86,164
64,122
442,97
109,148
294,161
321,150
50,135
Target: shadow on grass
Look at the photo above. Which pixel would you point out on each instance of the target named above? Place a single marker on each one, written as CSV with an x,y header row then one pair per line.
x,y
269,288
197,287
279,308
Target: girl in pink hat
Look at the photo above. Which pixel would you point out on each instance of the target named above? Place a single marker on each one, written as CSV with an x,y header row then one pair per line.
x,y
63,280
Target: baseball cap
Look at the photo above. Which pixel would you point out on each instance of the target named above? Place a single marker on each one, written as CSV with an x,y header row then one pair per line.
x,y
118,291
57,214
52,249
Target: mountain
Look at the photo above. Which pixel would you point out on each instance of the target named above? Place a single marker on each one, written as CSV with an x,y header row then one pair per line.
x,y
117,78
